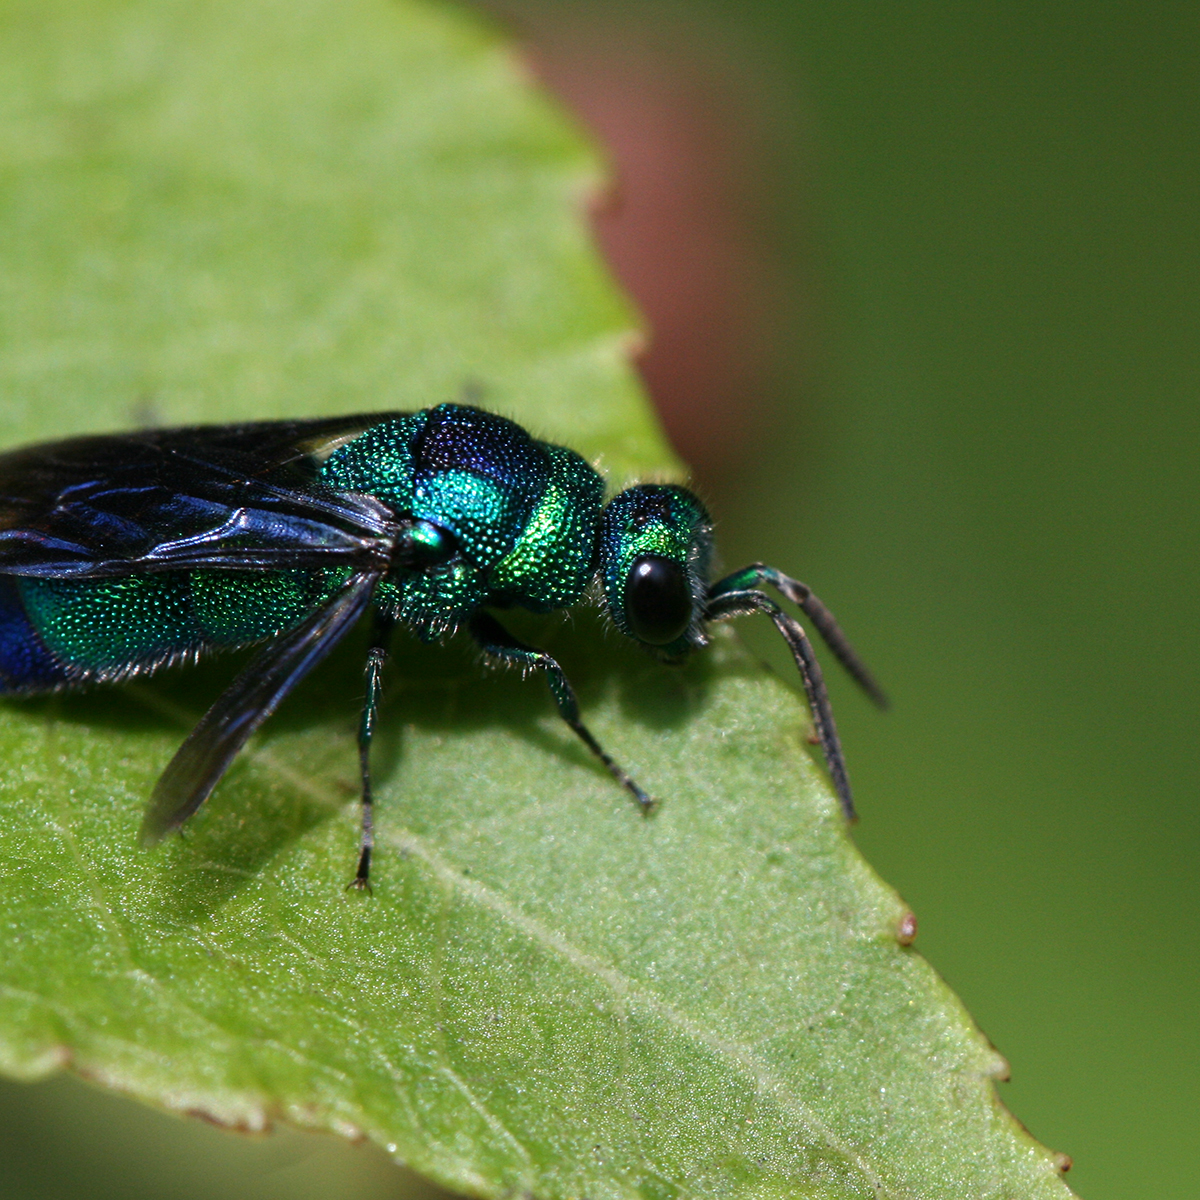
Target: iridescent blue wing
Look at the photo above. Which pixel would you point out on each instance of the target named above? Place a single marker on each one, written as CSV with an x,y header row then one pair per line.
x,y
240,497
252,697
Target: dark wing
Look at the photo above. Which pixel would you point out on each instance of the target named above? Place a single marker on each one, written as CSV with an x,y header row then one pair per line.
x,y
252,697
221,496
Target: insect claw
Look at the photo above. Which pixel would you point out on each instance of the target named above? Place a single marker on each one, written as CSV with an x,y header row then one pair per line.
x,y
649,805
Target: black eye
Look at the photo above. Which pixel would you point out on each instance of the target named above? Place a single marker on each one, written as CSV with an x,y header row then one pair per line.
x,y
658,600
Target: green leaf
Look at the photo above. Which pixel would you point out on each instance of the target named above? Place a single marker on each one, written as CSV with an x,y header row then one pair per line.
x,y
227,210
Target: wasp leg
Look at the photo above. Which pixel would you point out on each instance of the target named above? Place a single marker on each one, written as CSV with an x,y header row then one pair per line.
x,y
801,595
742,603
376,657
493,639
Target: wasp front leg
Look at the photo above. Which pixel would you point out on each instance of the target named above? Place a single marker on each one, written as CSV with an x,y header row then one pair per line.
x,y
493,639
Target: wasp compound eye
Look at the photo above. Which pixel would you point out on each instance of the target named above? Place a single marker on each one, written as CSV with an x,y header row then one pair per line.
x,y
658,600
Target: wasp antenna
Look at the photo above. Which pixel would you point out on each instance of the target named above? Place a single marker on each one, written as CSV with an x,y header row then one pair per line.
x,y
801,595
742,603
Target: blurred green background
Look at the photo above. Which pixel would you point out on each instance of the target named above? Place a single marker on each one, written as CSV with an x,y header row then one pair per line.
x,y
967,239
944,261
976,229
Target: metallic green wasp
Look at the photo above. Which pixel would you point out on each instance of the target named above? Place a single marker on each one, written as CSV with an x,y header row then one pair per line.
x,y
123,554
